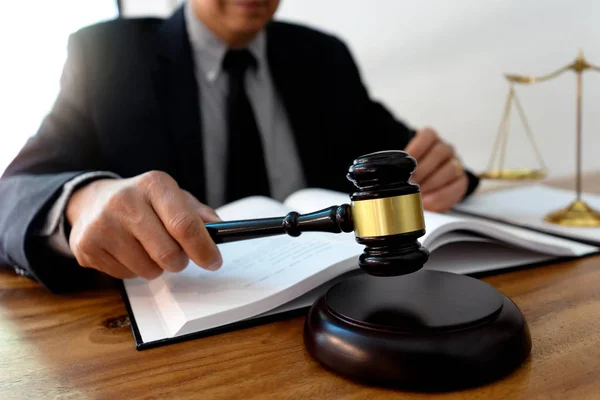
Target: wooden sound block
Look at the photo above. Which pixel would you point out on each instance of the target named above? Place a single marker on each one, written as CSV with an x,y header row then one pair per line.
x,y
427,331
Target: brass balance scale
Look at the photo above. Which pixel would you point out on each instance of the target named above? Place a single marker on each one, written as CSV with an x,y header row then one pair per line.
x,y
577,213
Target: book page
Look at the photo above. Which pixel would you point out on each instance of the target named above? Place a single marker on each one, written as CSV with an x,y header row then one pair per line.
x,y
257,275
149,321
313,199
513,236
252,207
528,205
466,257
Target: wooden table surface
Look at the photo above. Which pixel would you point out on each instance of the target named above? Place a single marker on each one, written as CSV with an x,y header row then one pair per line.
x,y
80,346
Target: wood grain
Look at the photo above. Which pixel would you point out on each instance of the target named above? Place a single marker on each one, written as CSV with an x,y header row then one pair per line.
x,y
80,346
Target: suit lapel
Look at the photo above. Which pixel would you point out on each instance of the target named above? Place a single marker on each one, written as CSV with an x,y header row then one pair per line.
x,y
177,92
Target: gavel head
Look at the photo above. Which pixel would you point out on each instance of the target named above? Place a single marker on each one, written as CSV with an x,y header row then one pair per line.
x,y
387,213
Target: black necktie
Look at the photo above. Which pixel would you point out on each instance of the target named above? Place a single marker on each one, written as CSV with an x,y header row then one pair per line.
x,y
246,171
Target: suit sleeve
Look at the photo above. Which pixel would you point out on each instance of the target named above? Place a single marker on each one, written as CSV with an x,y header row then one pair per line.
x,y
388,132
64,147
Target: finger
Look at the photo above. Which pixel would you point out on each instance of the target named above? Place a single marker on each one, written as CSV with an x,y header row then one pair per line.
x,y
157,243
131,254
208,214
100,260
111,266
182,222
421,143
447,196
446,173
436,156
109,248
89,253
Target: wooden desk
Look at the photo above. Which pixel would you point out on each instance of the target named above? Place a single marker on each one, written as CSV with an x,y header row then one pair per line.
x,y
80,346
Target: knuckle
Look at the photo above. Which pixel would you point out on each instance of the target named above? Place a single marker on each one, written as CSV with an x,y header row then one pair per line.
x,y
122,201
185,226
154,179
154,176
439,148
123,209
85,245
430,133
100,229
442,151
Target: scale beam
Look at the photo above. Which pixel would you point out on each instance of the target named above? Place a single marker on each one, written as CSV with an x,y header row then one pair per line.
x,y
579,65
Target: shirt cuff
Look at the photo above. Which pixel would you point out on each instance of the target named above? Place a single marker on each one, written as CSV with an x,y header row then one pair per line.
x,y
54,228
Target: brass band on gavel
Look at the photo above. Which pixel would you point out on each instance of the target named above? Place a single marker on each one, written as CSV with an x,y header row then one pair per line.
x,y
388,216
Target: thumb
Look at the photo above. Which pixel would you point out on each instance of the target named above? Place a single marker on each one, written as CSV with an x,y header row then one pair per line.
x,y
207,213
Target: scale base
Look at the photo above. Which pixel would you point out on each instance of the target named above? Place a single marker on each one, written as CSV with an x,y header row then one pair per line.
x,y
520,174
575,214
425,331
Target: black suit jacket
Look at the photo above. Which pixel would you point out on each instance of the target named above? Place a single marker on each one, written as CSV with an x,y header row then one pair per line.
x,y
129,104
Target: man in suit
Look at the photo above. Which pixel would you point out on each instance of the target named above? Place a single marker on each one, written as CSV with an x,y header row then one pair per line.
x,y
160,121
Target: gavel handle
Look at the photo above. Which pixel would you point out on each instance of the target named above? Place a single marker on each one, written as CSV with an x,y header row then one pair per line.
x,y
334,219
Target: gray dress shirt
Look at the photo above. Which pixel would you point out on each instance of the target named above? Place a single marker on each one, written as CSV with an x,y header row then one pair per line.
x,y
282,160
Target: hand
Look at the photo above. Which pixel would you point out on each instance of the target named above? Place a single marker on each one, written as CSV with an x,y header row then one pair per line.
x,y
140,226
439,173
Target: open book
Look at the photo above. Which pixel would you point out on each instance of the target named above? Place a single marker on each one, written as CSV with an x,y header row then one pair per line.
x,y
267,276
527,205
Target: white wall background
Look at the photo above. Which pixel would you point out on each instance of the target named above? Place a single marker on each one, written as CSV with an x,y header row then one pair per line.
x,y
441,63
33,43
140,8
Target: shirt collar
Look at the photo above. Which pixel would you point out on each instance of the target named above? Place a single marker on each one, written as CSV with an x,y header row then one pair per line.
x,y
209,50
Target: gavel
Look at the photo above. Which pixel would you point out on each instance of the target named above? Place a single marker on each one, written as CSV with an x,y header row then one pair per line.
x,y
386,215
399,324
